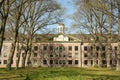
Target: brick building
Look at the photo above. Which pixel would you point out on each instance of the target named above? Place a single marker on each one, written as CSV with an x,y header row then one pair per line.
x,y
65,50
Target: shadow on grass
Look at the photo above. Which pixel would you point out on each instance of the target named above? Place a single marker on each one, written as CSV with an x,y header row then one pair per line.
x,y
102,77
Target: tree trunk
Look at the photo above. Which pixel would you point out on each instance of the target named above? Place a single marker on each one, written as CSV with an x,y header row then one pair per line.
x,y
109,35
24,58
29,55
118,54
18,59
94,55
99,58
13,45
10,58
2,30
108,56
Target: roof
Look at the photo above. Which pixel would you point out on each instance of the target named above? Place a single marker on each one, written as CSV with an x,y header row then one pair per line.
x,y
72,37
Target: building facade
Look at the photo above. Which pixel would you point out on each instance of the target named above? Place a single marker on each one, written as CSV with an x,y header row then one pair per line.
x,y
64,50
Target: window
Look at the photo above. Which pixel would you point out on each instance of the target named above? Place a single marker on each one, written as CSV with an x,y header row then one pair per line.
x,y
35,54
76,55
103,55
61,29
5,54
5,51
60,55
85,62
85,48
96,61
76,61
57,49
76,48
104,62
103,48
64,61
35,48
44,47
57,55
44,61
0,62
97,48
115,47
60,61
70,55
51,55
91,62
5,61
60,48
5,48
56,61
69,61
70,48
85,55
51,48
97,55
51,61
64,55
91,48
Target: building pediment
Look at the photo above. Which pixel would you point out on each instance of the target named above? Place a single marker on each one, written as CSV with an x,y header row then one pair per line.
x,y
65,37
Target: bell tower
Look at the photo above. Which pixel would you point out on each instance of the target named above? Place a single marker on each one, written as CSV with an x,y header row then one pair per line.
x,y
61,28
61,35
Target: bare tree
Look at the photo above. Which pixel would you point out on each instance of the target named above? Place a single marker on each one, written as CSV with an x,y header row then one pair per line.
x,y
38,15
17,9
96,15
4,11
93,22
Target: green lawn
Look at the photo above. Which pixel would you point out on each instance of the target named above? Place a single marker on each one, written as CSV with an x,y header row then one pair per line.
x,y
60,74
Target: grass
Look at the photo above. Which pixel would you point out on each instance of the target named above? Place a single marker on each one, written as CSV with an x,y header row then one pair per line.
x,y
60,74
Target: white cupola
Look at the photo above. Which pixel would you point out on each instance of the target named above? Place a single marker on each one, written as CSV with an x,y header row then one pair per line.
x,y
61,28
